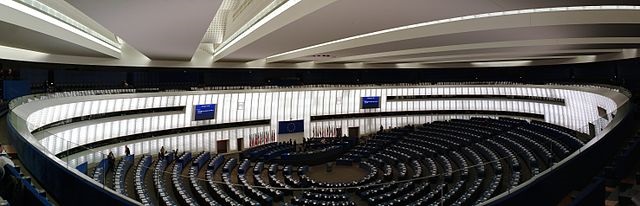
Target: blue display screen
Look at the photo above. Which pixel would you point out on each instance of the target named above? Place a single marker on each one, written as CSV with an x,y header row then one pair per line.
x,y
15,88
205,111
370,102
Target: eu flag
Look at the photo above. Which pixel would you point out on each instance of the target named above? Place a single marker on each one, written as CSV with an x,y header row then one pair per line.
x,y
286,127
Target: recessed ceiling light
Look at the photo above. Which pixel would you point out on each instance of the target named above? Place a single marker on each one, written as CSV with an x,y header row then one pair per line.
x,y
92,36
502,63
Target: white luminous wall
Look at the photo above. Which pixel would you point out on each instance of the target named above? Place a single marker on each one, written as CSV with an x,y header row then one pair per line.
x,y
579,109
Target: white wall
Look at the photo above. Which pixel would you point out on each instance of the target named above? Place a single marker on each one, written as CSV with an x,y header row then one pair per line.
x,y
294,104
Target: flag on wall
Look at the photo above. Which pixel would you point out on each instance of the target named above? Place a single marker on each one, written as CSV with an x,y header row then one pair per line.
x,y
260,138
314,132
286,127
255,139
273,136
333,131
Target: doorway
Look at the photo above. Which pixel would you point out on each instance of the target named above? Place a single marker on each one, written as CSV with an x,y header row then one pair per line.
x,y
240,144
222,146
338,132
354,131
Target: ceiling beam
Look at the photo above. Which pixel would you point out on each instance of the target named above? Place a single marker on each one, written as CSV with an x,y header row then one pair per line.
x,y
496,54
162,30
290,11
625,54
485,45
21,15
550,18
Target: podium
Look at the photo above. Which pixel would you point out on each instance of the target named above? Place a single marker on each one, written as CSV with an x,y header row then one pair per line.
x,y
329,167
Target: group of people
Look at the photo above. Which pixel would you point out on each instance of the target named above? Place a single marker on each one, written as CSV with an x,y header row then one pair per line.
x,y
112,158
163,153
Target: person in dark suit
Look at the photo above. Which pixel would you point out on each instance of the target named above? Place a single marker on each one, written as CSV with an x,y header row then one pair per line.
x,y
162,152
126,150
175,154
112,160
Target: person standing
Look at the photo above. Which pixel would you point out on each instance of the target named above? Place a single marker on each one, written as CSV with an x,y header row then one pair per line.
x,y
126,150
162,152
112,160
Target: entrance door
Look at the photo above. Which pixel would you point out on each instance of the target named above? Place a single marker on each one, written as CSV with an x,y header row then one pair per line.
x,y
354,131
339,132
240,144
222,146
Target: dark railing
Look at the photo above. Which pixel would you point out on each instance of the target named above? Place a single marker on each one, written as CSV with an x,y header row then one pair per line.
x,y
153,134
548,100
107,115
427,112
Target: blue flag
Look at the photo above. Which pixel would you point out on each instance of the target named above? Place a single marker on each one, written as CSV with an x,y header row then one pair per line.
x,y
294,126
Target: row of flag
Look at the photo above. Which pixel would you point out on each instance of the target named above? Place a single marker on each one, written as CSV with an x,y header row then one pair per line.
x,y
324,132
261,138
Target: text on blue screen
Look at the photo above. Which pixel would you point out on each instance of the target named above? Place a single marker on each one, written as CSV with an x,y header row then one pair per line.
x,y
205,111
370,102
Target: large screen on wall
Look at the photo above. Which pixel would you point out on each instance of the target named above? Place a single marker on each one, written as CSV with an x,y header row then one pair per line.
x,y
370,102
15,88
205,111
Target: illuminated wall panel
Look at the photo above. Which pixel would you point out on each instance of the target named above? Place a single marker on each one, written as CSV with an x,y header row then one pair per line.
x,y
282,105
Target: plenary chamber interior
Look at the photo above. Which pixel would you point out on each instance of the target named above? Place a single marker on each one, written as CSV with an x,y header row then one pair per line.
x,y
396,144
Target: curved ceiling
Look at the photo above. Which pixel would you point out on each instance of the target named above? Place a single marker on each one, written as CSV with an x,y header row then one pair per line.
x,y
331,33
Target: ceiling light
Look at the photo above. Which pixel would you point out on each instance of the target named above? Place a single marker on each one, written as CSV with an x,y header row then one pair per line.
x,y
44,17
502,63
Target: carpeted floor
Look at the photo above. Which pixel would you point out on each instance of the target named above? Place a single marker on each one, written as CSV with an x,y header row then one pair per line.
x,y
339,173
